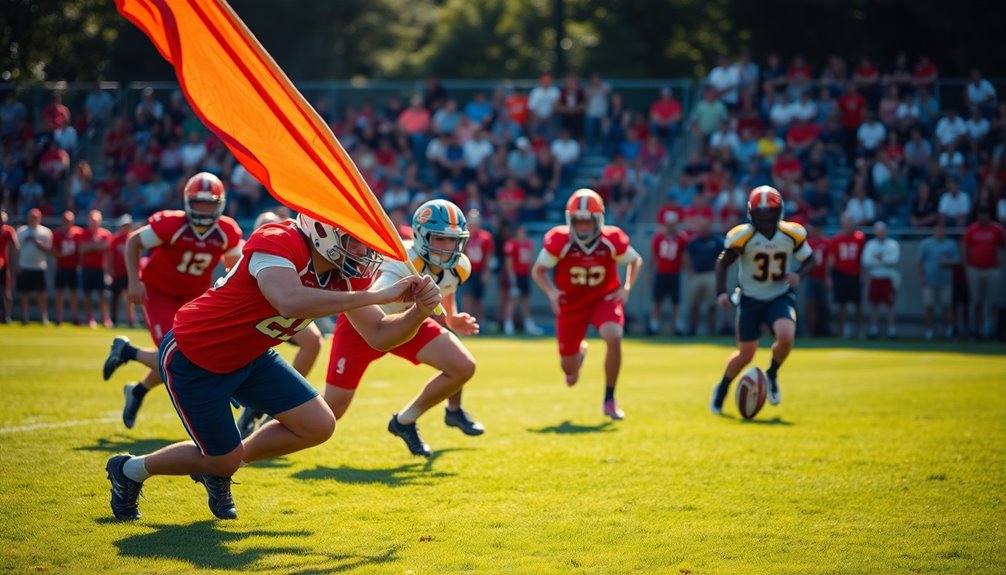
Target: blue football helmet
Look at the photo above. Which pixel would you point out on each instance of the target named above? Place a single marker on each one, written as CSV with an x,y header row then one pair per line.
x,y
439,218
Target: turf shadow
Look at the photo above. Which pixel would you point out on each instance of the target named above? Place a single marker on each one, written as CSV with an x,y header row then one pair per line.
x,y
119,443
569,428
206,547
774,421
418,473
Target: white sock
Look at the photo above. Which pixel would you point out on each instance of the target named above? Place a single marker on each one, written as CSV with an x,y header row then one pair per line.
x,y
135,469
409,416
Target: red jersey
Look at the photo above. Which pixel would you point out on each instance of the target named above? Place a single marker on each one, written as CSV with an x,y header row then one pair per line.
x,y
64,247
479,249
983,244
853,109
182,265
94,260
670,214
516,107
233,323
6,233
519,253
584,276
667,250
820,247
118,249
847,251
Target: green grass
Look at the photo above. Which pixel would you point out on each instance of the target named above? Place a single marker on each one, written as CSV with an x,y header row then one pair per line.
x,y
878,461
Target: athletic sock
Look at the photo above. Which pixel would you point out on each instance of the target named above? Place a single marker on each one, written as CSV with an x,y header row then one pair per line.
x,y
135,469
129,352
139,391
409,416
609,393
773,369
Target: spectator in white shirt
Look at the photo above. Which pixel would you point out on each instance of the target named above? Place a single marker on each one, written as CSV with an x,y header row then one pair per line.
x,y
955,205
804,109
541,104
980,94
860,208
870,134
950,128
193,152
918,152
566,152
978,129
725,137
725,79
951,159
477,150
747,73
781,114
880,260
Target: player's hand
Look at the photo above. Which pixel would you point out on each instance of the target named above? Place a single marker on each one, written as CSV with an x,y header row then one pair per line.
x,y
402,290
792,279
724,301
553,299
621,295
426,295
463,324
136,292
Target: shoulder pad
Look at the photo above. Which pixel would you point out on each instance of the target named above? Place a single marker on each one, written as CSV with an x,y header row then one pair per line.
x,y
463,268
738,237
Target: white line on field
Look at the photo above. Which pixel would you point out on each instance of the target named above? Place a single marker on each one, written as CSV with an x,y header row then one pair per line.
x,y
37,426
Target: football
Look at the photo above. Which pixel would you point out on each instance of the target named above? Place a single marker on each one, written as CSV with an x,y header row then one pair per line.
x,y
751,392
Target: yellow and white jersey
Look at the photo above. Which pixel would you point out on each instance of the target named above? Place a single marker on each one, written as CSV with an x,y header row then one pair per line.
x,y
764,261
448,280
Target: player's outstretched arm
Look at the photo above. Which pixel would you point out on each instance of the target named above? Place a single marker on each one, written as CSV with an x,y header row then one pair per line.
x,y
723,263
385,332
283,289
135,290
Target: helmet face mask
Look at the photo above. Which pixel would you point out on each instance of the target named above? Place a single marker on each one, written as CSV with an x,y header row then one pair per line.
x,y
433,222
206,189
765,209
350,256
585,205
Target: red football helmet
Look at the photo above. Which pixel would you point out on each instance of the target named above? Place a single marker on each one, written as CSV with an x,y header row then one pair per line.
x,y
765,207
204,187
585,204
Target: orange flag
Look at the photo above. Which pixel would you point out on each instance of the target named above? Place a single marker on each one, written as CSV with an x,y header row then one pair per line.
x,y
239,92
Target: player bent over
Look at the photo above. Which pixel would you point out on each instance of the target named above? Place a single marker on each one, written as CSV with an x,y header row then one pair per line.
x,y
221,347
767,287
185,247
584,256
439,235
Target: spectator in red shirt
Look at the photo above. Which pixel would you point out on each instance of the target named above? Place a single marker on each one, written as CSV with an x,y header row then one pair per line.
x,y
665,117
65,246
817,283
801,137
120,278
9,248
94,243
844,259
572,106
667,248
479,250
866,76
518,255
925,73
798,76
852,106
510,199
614,185
786,170
980,251
55,116
516,106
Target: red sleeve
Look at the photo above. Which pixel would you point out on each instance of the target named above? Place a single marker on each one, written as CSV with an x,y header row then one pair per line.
x,y
231,230
508,247
279,240
968,235
655,244
618,238
166,223
556,240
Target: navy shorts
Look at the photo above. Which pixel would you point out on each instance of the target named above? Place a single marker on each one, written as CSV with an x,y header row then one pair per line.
x,y
93,279
847,288
814,289
67,278
474,286
202,398
667,286
754,313
29,281
524,285
119,284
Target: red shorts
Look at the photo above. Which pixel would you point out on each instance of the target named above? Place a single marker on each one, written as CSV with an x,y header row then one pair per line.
x,y
881,290
351,354
159,311
571,326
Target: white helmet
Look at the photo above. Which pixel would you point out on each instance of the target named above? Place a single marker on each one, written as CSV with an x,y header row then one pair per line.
x,y
333,244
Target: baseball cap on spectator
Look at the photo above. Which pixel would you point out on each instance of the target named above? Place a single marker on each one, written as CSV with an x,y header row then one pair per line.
x,y
124,220
523,143
670,217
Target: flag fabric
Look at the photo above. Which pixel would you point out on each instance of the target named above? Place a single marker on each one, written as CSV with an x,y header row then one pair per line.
x,y
246,100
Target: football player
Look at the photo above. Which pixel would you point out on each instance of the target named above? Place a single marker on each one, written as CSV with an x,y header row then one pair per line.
x,y
439,232
185,247
766,295
587,289
221,347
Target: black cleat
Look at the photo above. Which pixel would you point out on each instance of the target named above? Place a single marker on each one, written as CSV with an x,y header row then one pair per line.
x,y
125,491
462,421
132,406
219,490
114,359
410,435
774,394
247,421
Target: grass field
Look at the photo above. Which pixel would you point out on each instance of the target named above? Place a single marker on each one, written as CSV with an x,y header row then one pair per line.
x,y
886,460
